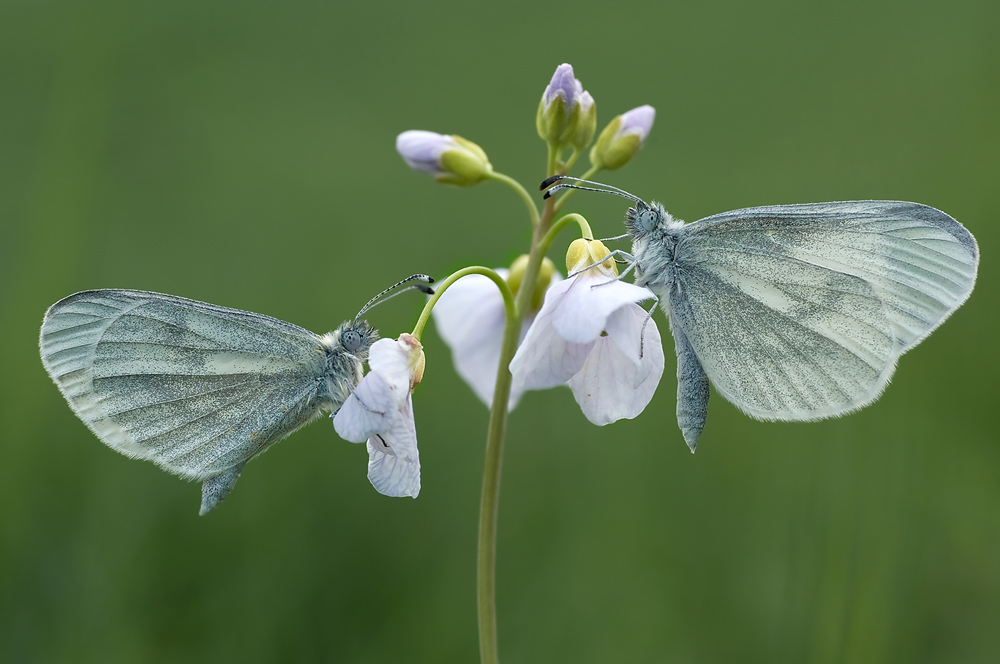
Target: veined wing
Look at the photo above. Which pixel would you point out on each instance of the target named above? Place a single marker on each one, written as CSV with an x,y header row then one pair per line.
x,y
800,312
197,388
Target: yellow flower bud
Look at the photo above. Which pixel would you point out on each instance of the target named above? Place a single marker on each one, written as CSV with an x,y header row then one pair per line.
x,y
584,253
545,272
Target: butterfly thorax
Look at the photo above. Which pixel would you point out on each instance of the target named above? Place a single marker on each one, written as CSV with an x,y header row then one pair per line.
x,y
654,239
345,350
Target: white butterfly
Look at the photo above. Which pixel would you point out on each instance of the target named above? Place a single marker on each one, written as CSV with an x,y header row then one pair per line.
x,y
797,312
196,388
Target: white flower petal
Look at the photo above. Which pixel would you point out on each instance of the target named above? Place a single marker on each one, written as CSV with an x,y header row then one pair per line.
x,y
371,408
624,326
582,314
469,310
545,359
609,388
388,359
393,461
470,318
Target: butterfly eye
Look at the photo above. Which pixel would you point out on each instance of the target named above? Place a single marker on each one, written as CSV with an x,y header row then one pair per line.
x,y
647,220
351,340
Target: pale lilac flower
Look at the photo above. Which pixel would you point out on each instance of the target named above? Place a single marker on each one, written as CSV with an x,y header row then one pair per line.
x,y
380,411
470,316
450,159
587,336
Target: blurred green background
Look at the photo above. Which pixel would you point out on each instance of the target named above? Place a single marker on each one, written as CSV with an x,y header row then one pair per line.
x,y
243,154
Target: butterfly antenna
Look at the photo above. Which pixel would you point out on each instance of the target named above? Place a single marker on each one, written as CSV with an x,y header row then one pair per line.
x,y
606,188
391,292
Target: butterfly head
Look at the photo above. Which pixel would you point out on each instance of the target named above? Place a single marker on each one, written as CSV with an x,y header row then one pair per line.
x,y
644,218
355,337
641,220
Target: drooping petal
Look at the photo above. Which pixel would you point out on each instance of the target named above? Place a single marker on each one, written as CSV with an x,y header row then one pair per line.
x,y
623,328
393,460
389,359
375,402
371,408
545,359
469,310
611,386
583,313
470,318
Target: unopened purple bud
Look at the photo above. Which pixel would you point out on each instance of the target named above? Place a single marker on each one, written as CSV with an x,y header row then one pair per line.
x,y
422,150
563,84
638,121
622,138
566,112
450,159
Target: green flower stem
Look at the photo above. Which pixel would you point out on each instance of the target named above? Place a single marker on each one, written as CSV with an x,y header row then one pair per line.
x,y
569,192
550,236
572,160
550,168
508,297
487,552
529,202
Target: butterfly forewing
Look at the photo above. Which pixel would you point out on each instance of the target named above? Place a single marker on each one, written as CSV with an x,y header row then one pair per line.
x,y
194,387
801,311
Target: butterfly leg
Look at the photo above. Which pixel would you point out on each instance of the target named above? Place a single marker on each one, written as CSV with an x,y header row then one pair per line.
x,y
353,390
642,330
612,239
217,487
629,258
692,389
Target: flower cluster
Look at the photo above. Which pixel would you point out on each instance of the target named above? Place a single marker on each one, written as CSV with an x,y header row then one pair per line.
x,y
588,335
586,332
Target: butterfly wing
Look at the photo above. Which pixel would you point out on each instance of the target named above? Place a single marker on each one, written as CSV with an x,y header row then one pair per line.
x,y
196,388
799,312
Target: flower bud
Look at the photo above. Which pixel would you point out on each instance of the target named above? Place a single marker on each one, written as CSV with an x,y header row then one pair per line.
x,y
545,273
586,123
585,253
622,138
567,114
449,159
